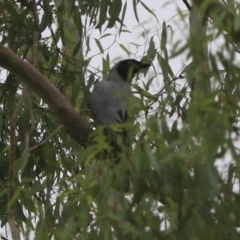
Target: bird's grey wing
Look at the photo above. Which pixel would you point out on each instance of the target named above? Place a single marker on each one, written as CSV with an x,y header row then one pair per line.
x,y
108,102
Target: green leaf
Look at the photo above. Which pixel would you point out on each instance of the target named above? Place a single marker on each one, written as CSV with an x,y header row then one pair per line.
x,y
61,28
166,69
37,186
20,164
45,22
12,11
114,11
124,49
103,10
126,31
78,22
148,9
54,60
76,88
174,130
48,16
143,92
106,35
86,155
135,9
135,44
77,47
99,45
123,16
90,81
151,52
106,66
164,37
46,53
164,40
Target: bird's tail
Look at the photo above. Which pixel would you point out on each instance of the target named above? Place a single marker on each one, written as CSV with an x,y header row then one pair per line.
x,y
118,141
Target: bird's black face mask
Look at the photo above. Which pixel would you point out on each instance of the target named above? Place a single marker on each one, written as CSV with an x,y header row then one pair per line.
x,y
128,68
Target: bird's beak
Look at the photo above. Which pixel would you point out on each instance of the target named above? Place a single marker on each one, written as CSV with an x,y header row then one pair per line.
x,y
144,65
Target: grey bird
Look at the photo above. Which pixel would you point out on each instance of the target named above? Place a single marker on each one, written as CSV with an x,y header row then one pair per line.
x,y
109,101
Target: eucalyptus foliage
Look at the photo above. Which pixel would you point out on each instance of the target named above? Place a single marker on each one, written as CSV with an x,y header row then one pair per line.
x,y
53,188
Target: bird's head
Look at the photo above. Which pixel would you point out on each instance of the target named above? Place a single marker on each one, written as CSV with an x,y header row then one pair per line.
x,y
129,67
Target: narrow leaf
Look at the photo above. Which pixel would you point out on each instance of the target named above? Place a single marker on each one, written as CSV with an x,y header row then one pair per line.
x,y
123,16
166,69
151,52
106,35
135,9
114,11
124,48
99,45
77,47
148,9
164,40
103,9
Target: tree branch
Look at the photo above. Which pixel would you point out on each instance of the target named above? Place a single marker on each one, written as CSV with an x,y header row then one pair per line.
x,y
76,127
46,139
199,52
187,4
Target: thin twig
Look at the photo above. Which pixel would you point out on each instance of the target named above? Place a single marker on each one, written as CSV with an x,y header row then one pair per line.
x,y
46,139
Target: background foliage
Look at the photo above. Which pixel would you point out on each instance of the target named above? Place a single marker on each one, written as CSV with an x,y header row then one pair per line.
x,y
53,188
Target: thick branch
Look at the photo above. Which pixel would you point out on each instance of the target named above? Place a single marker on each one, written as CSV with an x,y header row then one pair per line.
x,y
71,120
